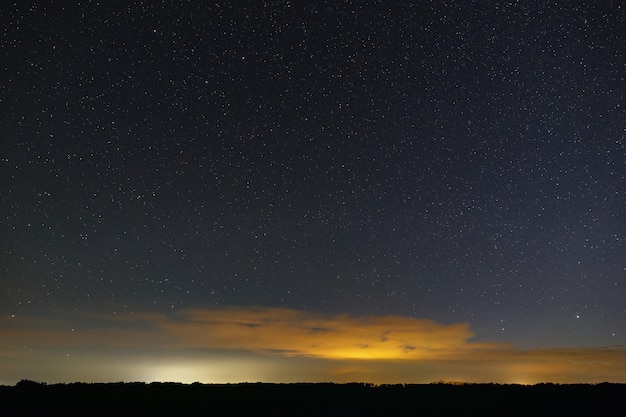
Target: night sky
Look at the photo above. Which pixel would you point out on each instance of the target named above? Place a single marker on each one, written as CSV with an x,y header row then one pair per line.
x,y
330,190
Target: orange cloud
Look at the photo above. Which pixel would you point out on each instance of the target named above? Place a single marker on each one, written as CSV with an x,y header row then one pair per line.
x,y
376,348
281,331
298,333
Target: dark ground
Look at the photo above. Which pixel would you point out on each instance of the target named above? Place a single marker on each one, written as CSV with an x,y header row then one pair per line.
x,y
323,399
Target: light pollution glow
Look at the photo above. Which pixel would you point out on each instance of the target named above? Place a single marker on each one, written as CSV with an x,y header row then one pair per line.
x,y
279,345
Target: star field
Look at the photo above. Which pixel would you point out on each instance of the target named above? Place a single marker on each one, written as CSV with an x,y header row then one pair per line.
x,y
455,161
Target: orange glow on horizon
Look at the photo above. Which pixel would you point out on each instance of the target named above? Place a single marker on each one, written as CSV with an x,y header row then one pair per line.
x,y
283,345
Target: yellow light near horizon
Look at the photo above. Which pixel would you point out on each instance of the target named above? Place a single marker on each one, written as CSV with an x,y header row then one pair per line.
x,y
215,371
368,353
170,373
287,345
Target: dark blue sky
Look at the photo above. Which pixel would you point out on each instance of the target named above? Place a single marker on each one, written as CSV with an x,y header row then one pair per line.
x,y
456,161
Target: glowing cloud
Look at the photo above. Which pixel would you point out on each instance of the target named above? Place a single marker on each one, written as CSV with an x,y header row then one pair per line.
x,y
196,344
297,333
270,330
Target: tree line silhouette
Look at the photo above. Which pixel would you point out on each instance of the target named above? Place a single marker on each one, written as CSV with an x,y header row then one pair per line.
x,y
314,399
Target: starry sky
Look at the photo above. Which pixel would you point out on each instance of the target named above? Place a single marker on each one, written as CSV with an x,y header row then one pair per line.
x,y
385,191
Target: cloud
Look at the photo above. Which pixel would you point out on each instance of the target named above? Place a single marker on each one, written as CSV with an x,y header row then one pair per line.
x,y
301,333
375,348
270,330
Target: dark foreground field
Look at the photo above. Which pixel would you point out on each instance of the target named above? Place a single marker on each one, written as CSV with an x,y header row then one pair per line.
x,y
27,398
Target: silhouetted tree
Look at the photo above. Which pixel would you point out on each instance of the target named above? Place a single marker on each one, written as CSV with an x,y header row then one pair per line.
x,y
28,384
